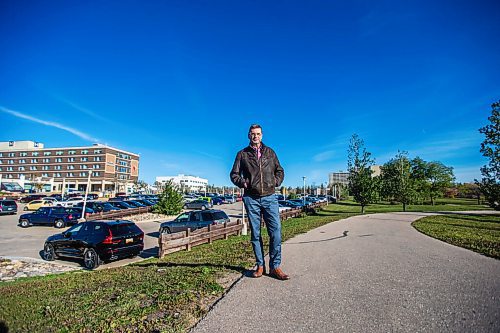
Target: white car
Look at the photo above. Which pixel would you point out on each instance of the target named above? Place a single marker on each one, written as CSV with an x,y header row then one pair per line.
x,y
70,202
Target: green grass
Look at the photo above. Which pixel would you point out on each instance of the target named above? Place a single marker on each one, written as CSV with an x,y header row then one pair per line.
x,y
167,295
479,233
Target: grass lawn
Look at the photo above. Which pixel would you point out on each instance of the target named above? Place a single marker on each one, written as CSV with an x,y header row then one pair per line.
x,y
479,233
167,295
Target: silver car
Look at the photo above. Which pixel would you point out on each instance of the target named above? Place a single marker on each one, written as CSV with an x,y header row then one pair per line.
x,y
198,204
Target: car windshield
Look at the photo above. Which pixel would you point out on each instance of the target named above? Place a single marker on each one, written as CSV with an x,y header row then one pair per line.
x,y
7,203
219,215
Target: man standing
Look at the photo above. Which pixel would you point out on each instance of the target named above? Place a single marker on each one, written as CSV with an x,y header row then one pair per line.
x,y
257,170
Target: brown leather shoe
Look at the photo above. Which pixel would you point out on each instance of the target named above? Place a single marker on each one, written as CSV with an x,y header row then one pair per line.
x,y
278,274
258,272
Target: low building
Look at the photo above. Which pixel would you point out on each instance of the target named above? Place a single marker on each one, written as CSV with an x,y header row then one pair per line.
x,y
31,165
185,182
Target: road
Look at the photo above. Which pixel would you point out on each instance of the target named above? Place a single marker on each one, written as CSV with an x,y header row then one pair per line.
x,y
16,242
372,273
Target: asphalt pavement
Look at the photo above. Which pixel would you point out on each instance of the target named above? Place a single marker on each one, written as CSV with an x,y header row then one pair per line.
x,y
372,273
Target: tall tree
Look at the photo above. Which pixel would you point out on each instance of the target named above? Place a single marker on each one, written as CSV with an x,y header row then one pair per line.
x,y
439,177
396,181
361,184
490,183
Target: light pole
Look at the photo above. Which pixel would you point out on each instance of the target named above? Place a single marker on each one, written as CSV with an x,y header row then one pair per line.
x,y
304,190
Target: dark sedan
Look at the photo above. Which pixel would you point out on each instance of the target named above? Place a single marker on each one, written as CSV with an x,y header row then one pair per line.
x,y
120,204
198,204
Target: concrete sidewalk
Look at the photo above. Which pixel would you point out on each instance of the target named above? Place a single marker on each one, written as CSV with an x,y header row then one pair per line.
x,y
382,276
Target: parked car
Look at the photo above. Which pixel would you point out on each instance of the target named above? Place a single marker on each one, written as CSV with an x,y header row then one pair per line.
x,y
31,197
198,204
70,202
229,199
122,198
217,201
77,211
96,242
120,204
194,220
8,207
35,204
58,197
97,206
297,202
135,203
54,216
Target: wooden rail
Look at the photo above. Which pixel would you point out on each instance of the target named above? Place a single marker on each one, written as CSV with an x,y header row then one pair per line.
x,y
178,241
117,214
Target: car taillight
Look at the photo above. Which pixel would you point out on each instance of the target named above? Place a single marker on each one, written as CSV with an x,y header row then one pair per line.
x,y
109,239
141,236
70,216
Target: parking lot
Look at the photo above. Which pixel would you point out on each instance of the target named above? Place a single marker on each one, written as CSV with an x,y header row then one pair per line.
x,y
17,242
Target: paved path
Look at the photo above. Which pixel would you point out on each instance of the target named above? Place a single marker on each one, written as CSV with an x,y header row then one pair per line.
x,y
384,276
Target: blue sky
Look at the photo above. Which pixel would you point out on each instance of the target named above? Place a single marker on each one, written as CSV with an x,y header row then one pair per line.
x,y
179,82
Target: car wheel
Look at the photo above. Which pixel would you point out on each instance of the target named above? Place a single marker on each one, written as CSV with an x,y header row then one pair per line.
x,y
24,223
185,207
91,259
49,253
203,207
59,224
25,208
218,204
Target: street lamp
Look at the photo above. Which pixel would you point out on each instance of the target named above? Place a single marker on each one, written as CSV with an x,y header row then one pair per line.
x,y
304,190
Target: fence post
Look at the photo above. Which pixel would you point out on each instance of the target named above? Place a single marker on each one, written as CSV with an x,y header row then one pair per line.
x,y
209,234
188,234
226,236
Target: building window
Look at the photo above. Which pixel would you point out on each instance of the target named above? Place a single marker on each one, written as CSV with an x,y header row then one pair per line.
x,y
96,166
45,174
22,161
71,159
84,159
98,151
21,168
23,154
47,153
35,153
10,162
1,154
69,174
45,167
95,174
71,152
34,160
71,167
58,160
33,167
57,174
57,167
83,166
97,158
12,154
46,160
59,152
10,169
85,152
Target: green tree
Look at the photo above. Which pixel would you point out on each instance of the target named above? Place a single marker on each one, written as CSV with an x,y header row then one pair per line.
x,y
170,200
361,184
140,185
395,180
439,177
490,183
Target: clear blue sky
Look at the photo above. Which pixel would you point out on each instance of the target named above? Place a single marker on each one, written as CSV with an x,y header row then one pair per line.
x,y
179,82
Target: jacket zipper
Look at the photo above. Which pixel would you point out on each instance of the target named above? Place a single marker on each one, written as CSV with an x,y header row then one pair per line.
x,y
260,169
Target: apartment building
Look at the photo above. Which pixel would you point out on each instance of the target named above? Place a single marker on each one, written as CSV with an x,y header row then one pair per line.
x,y
30,164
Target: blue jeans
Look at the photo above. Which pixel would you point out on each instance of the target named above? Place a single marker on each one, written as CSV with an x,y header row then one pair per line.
x,y
269,208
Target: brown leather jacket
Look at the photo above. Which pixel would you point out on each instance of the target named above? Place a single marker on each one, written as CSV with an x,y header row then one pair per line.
x,y
261,175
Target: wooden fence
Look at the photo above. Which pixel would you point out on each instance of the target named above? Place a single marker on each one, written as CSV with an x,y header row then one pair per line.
x,y
118,214
184,240
169,243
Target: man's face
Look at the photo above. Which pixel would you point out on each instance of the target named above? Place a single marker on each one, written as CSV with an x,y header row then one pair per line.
x,y
255,136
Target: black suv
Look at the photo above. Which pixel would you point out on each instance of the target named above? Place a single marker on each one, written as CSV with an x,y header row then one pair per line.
x,y
194,220
96,241
97,206
8,207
